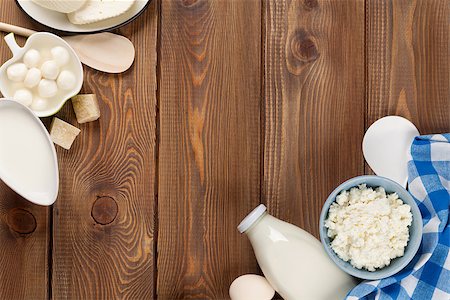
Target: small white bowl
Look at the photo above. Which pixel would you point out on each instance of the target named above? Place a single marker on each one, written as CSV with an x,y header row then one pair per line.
x,y
39,41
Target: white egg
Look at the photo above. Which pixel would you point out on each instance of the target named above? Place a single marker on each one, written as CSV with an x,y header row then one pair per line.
x,y
60,55
23,96
32,58
32,78
47,88
38,104
251,286
66,80
50,70
17,72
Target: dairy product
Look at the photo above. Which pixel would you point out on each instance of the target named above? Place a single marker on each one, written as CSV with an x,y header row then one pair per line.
x,y
369,228
97,10
50,70
27,157
63,133
38,104
293,261
63,6
66,80
17,72
86,108
47,88
32,78
41,45
32,58
60,55
23,96
45,73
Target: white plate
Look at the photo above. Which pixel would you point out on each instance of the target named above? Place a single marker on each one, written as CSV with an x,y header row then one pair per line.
x,y
60,22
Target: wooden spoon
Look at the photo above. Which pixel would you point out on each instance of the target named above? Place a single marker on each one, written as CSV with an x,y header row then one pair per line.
x,y
107,52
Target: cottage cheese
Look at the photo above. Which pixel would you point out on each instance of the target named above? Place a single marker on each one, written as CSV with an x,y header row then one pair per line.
x,y
369,228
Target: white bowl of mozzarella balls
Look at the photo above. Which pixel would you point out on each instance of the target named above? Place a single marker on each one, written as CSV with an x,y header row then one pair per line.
x,y
42,75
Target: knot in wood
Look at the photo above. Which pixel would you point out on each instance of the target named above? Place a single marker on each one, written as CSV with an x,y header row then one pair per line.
x,y
188,2
21,221
303,47
104,210
310,4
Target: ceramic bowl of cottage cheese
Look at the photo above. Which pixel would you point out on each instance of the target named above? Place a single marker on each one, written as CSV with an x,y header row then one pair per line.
x,y
371,227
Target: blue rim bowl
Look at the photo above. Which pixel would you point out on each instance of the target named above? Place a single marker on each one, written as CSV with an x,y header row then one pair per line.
x,y
415,230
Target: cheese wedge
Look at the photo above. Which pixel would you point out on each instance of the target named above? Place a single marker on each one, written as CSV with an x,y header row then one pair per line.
x,y
62,6
62,133
98,10
86,108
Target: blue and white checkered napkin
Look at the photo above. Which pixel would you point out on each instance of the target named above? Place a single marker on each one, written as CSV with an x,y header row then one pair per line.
x,y
428,275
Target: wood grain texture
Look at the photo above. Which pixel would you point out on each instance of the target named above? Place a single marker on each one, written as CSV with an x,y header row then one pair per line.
x,y
209,163
408,62
24,244
24,227
103,220
259,101
314,104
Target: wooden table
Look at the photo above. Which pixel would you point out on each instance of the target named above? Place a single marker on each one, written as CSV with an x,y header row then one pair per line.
x,y
229,104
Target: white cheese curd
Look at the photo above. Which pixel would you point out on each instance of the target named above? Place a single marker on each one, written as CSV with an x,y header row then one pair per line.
x,y
368,228
23,96
32,78
47,88
17,72
32,58
50,70
60,55
66,80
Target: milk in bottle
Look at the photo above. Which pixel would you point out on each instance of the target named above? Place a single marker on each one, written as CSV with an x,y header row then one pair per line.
x,y
293,261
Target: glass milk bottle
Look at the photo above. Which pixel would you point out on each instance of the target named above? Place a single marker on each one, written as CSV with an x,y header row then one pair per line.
x,y
293,261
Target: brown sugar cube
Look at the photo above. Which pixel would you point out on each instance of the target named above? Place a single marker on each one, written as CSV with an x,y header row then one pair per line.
x,y
62,133
86,108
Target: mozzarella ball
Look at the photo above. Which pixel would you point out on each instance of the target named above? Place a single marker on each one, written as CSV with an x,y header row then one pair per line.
x,y
47,88
23,96
60,55
32,78
17,72
32,58
66,80
50,70
38,104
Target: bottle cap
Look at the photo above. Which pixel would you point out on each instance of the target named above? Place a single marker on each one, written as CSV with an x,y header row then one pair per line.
x,y
251,218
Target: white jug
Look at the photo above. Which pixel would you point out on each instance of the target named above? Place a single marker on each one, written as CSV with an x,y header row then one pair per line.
x,y
293,261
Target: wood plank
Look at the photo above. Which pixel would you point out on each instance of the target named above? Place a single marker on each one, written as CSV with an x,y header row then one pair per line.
x,y
24,227
408,62
24,241
210,144
314,104
104,221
